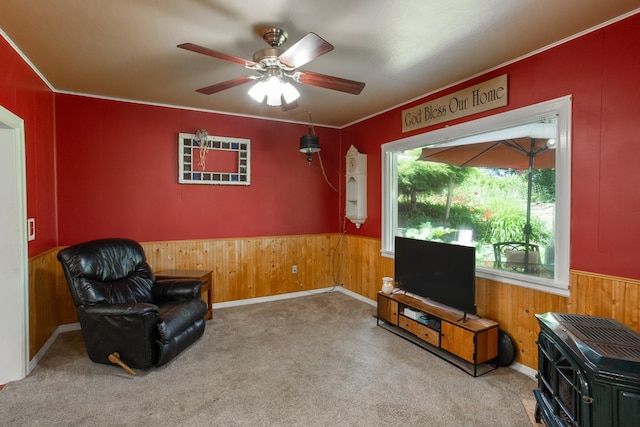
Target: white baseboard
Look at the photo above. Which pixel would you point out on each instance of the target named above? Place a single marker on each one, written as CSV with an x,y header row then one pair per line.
x,y
69,327
531,373
290,295
358,296
258,300
40,354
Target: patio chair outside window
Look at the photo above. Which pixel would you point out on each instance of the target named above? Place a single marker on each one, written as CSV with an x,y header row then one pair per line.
x,y
517,256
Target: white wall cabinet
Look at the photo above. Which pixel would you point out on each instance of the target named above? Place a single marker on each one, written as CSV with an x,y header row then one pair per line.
x,y
356,187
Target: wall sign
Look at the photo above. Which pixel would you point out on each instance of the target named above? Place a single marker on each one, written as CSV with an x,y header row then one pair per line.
x,y
475,99
213,160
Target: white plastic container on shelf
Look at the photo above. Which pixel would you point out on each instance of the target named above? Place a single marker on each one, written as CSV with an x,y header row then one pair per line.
x,y
387,285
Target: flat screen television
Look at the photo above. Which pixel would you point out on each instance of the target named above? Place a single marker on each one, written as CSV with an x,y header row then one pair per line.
x,y
442,272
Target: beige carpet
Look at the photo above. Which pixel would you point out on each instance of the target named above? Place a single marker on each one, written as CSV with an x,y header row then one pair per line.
x,y
312,361
530,407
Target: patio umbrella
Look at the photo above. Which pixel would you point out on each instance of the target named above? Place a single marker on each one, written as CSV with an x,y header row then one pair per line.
x,y
527,147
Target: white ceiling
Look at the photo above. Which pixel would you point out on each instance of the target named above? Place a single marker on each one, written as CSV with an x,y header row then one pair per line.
x,y
401,49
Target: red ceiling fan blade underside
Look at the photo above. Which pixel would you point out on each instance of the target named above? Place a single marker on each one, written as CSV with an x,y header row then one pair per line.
x,y
215,54
330,82
305,50
218,87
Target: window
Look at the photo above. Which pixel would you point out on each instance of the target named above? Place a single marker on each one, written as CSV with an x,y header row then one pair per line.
x,y
500,183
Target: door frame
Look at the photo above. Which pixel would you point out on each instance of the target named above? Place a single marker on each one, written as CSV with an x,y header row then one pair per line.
x,y
13,128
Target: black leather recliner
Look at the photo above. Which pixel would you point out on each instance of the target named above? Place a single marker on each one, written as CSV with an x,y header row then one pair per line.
x,y
123,309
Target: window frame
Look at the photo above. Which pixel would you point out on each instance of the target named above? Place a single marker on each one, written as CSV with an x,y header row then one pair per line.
x,y
560,108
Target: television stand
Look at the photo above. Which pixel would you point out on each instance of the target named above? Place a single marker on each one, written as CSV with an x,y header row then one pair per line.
x,y
469,343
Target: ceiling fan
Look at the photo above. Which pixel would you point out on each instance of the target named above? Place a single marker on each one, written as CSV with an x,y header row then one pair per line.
x,y
279,67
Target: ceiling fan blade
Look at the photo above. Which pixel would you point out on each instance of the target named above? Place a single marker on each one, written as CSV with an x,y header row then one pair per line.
x,y
289,106
218,87
304,50
329,82
209,52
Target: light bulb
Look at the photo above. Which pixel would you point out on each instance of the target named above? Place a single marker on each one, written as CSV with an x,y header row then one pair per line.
x,y
258,91
289,92
274,91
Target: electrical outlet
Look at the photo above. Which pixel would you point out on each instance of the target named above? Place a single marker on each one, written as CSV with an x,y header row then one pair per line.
x,y
31,229
294,269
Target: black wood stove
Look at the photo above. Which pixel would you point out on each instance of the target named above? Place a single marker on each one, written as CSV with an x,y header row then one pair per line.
x,y
588,371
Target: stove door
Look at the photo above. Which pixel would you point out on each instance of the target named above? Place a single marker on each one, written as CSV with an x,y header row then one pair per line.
x,y
563,393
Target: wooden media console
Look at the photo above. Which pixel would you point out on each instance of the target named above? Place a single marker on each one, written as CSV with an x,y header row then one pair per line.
x,y
470,344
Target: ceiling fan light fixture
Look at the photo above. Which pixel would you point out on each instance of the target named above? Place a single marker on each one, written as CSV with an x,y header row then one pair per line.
x,y
274,91
273,100
274,88
258,91
289,92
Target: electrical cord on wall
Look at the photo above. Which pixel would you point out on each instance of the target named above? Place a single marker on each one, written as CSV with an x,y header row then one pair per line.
x,y
340,244
325,174
335,273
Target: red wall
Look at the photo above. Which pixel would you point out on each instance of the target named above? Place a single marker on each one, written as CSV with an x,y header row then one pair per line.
x,y
601,71
117,166
24,94
118,176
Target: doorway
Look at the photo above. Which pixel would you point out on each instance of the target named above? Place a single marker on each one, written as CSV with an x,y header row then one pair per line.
x,y
14,319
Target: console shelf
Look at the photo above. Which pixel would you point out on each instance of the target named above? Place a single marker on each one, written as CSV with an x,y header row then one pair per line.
x,y
471,345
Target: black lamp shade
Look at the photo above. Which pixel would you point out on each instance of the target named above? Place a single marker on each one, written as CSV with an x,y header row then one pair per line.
x,y
309,143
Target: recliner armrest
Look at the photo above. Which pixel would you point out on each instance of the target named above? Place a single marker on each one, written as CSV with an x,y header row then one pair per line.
x,y
176,289
128,309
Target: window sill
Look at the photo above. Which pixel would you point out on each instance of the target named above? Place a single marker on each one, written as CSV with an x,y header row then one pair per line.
x,y
556,287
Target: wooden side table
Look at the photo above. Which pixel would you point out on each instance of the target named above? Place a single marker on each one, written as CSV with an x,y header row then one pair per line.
x,y
203,275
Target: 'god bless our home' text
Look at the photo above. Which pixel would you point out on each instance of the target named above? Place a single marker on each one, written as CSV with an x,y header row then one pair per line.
x,y
482,97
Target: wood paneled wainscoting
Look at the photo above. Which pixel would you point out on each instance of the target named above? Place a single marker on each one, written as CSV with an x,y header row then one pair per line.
x,y
47,302
242,268
254,266
261,266
513,307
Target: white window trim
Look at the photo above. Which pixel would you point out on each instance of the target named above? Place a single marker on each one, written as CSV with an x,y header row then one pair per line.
x,y
560,107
